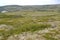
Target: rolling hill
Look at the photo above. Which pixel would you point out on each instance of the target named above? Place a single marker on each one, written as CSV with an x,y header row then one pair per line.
x,y
12,8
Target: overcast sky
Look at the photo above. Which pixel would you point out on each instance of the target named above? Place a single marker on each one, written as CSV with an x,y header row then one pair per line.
x,y
28,2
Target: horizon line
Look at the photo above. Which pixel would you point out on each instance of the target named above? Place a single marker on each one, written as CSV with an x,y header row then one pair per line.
x,y
29,5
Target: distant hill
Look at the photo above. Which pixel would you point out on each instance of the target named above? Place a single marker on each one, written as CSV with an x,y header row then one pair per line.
x,y
12,8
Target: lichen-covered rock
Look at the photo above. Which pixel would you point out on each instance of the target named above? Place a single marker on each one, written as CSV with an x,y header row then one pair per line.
x,y
5,27
26,36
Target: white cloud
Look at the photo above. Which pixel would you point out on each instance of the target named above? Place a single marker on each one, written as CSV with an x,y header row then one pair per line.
x,y
26,2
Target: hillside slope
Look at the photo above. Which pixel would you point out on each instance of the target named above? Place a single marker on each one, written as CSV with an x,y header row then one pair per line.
x,y
30,7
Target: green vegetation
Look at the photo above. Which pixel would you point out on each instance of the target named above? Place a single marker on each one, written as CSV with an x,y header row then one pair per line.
x,y
48,36
52,35
27,22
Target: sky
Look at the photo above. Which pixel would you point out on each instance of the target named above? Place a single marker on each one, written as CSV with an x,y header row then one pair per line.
x,y
28,2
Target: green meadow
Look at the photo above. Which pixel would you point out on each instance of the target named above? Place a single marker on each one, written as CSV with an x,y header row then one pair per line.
x,y
14,23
